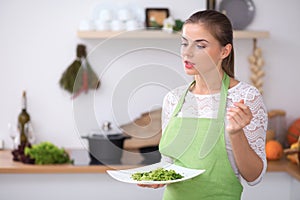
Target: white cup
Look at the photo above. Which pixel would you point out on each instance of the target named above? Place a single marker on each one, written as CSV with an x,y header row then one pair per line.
x,y
86,25
132,25
102,25
117,25
105,15
124,14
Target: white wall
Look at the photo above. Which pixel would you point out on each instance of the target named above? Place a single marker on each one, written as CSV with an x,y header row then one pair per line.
x,y
38,41
281,53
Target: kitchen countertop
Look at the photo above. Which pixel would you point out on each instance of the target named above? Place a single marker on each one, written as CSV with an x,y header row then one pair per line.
x,y
284,165
81,165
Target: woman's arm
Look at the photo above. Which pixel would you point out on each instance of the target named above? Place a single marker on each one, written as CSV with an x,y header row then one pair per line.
x,y
167,110
247,128
250,165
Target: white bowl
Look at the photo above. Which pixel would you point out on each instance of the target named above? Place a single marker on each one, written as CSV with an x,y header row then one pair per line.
x,y
117,25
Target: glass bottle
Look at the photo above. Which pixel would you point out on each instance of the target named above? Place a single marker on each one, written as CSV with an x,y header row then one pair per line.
x,y
23,121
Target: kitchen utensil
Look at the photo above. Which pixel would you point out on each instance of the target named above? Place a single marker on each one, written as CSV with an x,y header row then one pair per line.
x,y
277,123
106,126
102,25
117,25
132,25
30,132
210,4
240,12
124,14
13,134
105,15
86,25
106,149
150,154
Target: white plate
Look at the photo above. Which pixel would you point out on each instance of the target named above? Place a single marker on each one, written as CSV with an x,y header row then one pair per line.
x,y
125,175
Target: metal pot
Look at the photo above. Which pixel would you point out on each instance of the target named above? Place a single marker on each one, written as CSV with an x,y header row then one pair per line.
x,y
106,149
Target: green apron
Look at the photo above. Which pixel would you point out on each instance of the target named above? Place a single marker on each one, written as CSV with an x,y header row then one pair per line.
x,y
199,143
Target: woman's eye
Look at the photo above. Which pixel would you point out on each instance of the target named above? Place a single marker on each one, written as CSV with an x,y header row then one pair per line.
x,y
184,44
200,47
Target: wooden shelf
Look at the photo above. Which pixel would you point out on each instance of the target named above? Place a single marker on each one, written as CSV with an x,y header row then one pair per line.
x,y
251,34
139,34
157,34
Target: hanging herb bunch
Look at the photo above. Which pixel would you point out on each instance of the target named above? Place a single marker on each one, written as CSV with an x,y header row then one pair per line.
x,y
79,77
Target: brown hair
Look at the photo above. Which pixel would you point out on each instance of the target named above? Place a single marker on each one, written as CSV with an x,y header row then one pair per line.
x,y
220,27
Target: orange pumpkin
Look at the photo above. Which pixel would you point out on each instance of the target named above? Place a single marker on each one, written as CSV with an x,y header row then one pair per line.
x,y
274,150
293,132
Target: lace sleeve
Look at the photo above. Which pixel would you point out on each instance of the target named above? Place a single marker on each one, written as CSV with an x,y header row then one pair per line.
x,y
169,104
256,130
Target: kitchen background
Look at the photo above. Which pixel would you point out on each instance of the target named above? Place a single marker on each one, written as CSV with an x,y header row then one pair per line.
x,y
38,42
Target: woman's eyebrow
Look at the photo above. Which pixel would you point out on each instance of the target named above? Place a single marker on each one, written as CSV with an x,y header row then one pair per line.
x,y
198,40
201,40
182,37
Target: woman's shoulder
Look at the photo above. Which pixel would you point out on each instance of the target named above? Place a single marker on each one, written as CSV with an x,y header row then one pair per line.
x,y
243,87
176,93
243,90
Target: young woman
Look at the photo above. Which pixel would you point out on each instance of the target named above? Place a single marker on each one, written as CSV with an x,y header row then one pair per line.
x,y
217,123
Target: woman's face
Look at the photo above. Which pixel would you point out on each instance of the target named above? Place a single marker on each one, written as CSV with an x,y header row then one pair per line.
x,y
201,52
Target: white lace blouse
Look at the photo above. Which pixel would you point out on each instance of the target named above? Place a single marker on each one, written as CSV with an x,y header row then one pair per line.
x,y
206,106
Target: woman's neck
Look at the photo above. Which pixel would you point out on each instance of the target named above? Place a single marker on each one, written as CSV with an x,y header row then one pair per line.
x,y
209,83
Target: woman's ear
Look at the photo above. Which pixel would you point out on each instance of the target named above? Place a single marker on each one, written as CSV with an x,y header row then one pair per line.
x,y
226,50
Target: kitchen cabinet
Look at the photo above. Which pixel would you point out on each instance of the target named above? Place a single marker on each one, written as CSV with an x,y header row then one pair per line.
x,y
19,181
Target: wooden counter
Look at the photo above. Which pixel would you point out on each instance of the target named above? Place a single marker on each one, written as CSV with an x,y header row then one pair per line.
x,y
284,165
7,165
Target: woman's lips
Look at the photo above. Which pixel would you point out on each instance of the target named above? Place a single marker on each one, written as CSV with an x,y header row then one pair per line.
x,y
188,65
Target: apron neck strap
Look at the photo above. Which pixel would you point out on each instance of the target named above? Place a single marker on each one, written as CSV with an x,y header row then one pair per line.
x,y
223,97
181,100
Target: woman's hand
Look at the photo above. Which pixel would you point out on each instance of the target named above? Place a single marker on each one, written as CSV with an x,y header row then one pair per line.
x,y
238,117
154,186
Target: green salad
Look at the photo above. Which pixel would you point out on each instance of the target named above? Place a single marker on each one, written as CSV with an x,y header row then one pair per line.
x,y
159,174
47,153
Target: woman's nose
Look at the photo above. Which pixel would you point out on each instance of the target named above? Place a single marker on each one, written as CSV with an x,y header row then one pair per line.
x,y
187,51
